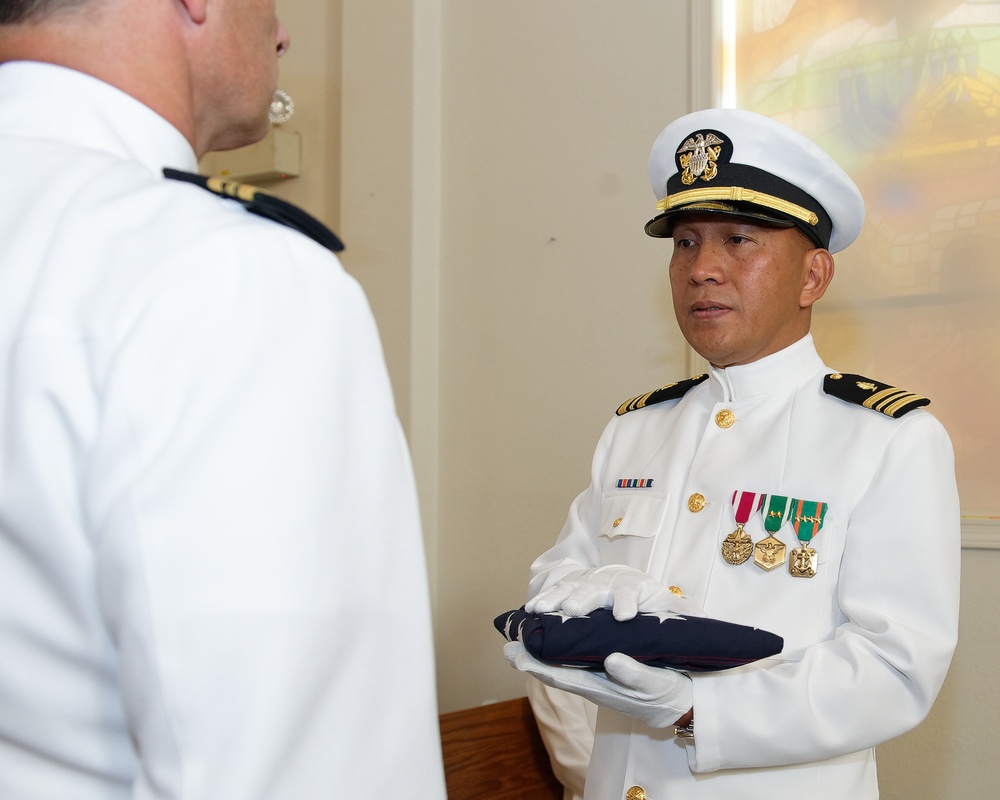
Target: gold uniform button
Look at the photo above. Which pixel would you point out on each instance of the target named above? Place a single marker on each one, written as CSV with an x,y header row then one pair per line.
x,y
635,793
725,418
696,503
616,523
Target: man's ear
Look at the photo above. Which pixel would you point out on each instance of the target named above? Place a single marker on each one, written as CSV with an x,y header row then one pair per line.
x,y
817,274
197,10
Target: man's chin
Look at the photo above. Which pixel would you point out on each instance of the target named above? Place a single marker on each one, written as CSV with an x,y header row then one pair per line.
x,y
235,138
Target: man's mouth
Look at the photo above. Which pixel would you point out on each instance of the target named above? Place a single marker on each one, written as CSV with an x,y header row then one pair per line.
x,y
707,308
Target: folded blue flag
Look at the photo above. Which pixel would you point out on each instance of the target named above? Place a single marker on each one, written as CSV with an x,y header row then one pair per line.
x,y
692,644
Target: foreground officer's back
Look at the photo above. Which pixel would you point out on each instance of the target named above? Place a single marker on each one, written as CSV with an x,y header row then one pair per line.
x,y
211,571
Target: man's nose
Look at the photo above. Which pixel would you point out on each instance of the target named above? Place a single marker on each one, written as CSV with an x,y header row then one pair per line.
x,y
284,41
706,265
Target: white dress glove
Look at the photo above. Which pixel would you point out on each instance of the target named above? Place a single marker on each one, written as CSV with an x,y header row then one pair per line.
x,y
659,697
625,590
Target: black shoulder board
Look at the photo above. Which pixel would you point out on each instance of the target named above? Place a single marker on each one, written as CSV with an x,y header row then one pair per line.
x,y
871,394
263,204
669,392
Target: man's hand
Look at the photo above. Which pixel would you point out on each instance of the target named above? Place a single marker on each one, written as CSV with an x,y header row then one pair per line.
x,y
625,590
659,697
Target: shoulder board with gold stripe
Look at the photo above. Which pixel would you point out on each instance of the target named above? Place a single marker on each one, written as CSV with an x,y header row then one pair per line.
x,y
871,394
669,392
259,202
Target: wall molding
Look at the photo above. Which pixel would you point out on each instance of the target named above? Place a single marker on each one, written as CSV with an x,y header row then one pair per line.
x,y
703,90
981,533
425,284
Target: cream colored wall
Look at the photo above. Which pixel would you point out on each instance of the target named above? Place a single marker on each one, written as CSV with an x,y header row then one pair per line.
x,y
552,310
491,193
952,755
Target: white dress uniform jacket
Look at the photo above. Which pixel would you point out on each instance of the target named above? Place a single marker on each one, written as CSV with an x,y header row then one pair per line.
x,y
212,580
867,640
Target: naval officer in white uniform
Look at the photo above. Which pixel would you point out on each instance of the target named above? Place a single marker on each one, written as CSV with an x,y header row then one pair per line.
x,y
773,491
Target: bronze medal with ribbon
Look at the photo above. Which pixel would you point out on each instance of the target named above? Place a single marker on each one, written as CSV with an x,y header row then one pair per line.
x,y
738,546
769,553
807,519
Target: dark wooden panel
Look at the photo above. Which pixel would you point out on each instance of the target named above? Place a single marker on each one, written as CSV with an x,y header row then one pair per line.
x,y
495,752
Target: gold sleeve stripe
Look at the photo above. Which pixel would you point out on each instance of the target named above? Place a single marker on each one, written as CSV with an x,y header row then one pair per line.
x,y
672,391
633,404
891,401
901,403
740,195
243,191
880,400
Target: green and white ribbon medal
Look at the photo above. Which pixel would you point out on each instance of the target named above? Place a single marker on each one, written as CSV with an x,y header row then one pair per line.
x,y
769,553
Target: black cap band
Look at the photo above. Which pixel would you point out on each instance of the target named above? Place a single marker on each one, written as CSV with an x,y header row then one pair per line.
x,y
744,191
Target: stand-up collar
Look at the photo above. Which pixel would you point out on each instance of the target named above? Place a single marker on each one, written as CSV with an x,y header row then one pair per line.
x,y
46,101
775,372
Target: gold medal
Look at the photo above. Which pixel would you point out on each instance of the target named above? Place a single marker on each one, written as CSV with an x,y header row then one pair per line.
x,y
737,546
807,519
769,553
802,562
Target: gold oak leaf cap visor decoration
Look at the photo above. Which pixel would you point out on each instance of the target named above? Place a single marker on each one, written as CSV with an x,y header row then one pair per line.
x,y
743,164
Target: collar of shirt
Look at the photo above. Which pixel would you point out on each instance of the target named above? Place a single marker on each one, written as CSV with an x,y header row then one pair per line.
x,y
773,373
53,102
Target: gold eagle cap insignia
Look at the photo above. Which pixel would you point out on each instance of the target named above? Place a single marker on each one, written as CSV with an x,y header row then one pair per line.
x,y
698,157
